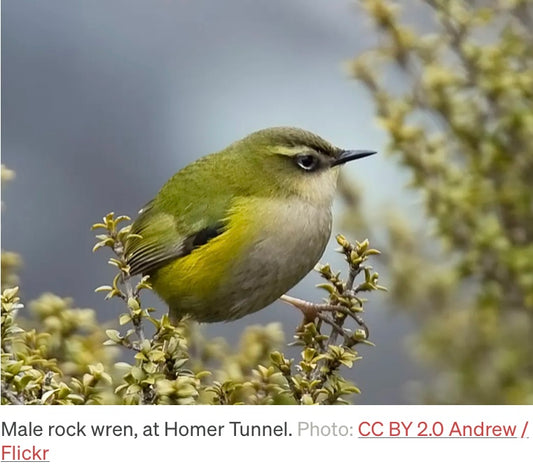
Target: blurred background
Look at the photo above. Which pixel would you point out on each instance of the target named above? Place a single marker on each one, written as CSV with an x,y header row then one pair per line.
x,y
103,100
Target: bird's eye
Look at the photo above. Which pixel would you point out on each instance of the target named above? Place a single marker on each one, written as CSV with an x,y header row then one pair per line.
x,y
308,162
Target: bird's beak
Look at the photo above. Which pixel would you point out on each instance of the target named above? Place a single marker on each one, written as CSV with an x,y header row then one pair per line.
x,y
348,155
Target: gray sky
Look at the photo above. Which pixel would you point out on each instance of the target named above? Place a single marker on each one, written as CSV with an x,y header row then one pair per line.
x,y
103,100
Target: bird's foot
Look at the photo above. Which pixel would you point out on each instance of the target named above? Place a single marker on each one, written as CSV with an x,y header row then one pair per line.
x,y
309,310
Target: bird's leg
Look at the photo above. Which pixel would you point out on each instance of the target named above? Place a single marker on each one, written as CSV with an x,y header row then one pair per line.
x,y
312,311
309,310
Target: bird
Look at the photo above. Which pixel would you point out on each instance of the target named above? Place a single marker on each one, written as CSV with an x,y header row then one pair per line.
x,y
233,231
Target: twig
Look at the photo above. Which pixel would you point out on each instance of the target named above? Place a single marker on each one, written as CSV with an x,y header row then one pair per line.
x,y
335,327
347,312
11,396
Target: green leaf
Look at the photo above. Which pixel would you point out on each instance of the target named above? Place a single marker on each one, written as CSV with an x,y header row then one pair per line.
x,y
114,335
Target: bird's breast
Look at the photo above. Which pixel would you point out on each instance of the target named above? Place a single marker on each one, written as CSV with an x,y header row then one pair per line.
x,y
289,238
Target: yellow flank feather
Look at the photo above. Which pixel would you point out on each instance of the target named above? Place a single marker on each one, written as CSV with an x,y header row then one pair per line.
x,y
192,282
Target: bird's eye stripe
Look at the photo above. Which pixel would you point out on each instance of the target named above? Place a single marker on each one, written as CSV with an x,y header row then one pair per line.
x,y
290,151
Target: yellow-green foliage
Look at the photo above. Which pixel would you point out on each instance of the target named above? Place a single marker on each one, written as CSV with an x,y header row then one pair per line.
x,y
456,100
61,363
61,355
10,260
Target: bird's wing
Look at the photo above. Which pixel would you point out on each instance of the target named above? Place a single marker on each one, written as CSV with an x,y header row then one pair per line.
x,y
155,241
159,239
175,222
